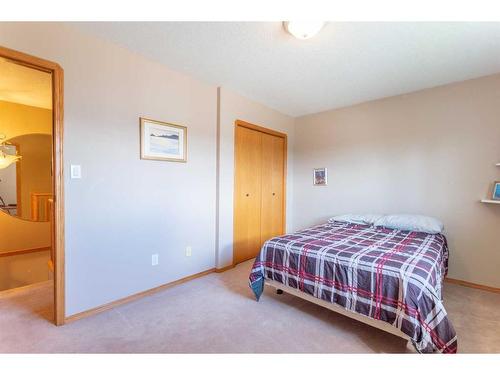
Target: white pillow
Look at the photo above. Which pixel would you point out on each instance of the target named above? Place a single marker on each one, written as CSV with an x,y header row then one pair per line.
x,y
416,223
367,219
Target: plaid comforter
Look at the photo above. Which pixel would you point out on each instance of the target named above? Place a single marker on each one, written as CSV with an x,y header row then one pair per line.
x,y
390,275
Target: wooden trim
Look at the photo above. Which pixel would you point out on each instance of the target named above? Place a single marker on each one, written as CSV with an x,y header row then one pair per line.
x,y
58,189
11,253
29,61
259,128
224,269
133,297
35,206
52,230
473,285
57,166
262,129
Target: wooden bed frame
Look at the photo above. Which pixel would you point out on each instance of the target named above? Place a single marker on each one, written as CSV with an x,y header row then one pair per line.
x,y
384,326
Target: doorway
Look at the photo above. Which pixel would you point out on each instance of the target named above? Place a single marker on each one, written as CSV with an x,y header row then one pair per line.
x,y
260,188
47,204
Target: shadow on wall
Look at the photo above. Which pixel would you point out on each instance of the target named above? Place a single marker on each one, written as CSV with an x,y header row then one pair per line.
x,y
24,269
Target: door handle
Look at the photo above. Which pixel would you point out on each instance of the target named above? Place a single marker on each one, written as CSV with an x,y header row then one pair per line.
x,y
274,193
247,194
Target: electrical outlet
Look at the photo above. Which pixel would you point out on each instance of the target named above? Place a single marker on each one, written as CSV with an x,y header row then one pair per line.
x,y
154,259
188,251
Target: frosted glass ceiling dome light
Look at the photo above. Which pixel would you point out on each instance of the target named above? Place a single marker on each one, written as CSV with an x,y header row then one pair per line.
x,y
6,159
303,29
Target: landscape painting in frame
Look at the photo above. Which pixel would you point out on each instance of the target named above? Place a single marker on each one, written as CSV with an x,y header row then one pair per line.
x,y
320,177
163,141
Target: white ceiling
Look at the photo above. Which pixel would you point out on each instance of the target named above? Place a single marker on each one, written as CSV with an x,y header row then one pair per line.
x,y
23,85
346,63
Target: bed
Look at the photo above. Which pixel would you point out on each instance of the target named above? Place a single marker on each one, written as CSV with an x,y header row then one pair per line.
x,y
388,278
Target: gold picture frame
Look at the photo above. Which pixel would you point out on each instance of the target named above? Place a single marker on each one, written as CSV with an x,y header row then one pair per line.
x,y
162,140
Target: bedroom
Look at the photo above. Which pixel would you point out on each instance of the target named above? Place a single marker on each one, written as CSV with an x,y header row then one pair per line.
x,y
185,151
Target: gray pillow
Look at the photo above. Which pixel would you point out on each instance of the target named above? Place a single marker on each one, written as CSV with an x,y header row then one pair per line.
x,y
367,219
416,223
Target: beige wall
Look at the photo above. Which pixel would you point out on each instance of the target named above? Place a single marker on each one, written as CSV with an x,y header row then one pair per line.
x,y
25,269
18,234
236,107
432,152
124,209
18,119
35,170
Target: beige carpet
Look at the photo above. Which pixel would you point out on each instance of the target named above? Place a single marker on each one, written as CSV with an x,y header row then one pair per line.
x,y
218,314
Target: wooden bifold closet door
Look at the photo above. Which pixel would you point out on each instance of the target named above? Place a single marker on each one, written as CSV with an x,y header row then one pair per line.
x,y
259,203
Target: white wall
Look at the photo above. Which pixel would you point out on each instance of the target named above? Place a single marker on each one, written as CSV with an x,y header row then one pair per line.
x,y
124,209
236,107
431,152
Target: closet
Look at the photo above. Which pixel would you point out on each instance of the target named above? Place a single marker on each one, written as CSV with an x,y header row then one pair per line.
x,y
259,194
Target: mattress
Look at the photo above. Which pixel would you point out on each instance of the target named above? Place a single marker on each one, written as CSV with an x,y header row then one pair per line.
x,y
389,275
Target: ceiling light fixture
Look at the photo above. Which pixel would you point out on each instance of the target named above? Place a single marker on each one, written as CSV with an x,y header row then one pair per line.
x,y
303,29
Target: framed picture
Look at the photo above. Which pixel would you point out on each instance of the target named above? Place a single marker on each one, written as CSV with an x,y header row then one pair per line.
x,y
496,191
320,177
163,141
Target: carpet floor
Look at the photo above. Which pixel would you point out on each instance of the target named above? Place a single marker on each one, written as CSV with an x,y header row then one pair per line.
x,y
218,314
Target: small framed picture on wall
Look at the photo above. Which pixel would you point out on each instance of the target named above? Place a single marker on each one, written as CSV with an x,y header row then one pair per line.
x,y
163,141
320,177
496,191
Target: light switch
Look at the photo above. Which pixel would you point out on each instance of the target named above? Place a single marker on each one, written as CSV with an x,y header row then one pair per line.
x,y
154,260
76,171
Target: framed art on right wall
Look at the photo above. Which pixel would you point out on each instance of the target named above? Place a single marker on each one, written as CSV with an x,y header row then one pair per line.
x,y
496,191
320,177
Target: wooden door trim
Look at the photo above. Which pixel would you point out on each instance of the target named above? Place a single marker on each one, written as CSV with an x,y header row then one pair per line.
x,y
57,167
468,284
259,128
262,129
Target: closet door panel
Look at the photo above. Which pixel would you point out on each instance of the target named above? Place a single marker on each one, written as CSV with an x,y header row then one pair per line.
x,y
272,205
248,178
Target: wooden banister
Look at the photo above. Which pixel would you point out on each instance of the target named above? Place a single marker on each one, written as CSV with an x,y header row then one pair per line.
x,y
40,201
11,253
